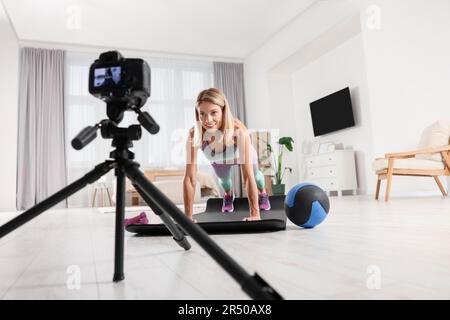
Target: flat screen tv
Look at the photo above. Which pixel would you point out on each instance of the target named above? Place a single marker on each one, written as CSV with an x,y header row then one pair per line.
x,y
332,113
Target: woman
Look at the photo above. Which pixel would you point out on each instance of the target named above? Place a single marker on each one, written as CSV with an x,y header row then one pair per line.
x,y
225,142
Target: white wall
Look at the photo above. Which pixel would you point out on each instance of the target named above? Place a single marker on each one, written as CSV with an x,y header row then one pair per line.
x,y
9,62
408,69
342,67
282,121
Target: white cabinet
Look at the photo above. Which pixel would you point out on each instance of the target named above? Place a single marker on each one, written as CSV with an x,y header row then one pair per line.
x,y
333,171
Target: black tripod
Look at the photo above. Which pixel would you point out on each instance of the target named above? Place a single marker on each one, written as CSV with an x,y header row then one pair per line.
x,y
124,166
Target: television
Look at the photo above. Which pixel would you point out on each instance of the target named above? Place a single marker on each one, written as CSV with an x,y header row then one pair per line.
x,y
332,112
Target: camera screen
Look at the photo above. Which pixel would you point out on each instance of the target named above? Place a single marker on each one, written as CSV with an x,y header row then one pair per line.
x,y
110,76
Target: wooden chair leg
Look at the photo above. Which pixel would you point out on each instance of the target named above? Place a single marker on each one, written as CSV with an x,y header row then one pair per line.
x,y
101,197
441,187
389,179
109,196
377,191
135,199
93,200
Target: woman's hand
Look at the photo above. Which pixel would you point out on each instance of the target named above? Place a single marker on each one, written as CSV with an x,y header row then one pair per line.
x,y
254,216
190,217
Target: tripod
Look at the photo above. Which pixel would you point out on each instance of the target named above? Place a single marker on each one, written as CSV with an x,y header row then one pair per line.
x,y
125,167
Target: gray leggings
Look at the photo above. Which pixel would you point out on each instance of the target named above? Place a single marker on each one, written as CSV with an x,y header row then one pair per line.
x,y
223,172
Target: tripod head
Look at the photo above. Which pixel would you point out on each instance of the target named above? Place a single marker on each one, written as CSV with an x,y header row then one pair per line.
x,y
124,84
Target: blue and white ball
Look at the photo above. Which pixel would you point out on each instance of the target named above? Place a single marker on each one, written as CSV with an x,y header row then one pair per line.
x,y
306,205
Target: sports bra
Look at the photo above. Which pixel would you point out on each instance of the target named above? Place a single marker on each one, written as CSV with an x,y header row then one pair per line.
x,y
229,155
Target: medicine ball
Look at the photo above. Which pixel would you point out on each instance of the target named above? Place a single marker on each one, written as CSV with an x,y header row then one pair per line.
x,y
306,205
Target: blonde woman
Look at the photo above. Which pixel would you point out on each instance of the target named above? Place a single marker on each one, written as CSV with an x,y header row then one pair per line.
x,y
225,142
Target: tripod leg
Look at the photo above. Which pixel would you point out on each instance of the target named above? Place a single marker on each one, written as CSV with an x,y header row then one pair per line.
x,y
120,232
254,286
178,235
64,193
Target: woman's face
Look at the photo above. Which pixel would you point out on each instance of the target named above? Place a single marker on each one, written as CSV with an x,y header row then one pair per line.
x,y
210,115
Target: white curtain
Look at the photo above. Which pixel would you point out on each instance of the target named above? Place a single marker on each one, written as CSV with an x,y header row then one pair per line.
x,y
41,159
175,85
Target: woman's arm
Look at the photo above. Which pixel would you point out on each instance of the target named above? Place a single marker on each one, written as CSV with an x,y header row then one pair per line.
x,y
246,161
190,176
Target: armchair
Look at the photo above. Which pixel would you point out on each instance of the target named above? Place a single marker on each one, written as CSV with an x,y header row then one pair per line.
x,y
432,159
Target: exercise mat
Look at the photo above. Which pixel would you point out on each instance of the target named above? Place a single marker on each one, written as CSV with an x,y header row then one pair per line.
x,y
214,221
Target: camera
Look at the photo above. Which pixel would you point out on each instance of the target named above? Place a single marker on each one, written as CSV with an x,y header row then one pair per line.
x,y
122,83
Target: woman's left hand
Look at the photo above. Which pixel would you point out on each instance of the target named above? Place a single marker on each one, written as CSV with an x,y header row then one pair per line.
x,y
252,218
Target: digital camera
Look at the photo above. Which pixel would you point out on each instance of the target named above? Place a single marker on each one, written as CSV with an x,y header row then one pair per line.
x,y
122,83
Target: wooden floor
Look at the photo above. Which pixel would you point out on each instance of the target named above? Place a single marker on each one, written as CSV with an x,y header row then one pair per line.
x,y
364,250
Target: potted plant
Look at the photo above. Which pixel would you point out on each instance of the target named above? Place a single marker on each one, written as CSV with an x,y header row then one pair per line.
x,y
278,187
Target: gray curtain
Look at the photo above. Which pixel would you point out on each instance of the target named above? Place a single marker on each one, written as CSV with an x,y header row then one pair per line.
x,y
229,77
41,158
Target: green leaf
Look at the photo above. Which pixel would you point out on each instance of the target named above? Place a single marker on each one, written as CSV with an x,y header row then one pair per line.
x,y
287,142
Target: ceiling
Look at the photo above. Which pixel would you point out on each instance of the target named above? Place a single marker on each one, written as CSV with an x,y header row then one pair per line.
x,y
215,28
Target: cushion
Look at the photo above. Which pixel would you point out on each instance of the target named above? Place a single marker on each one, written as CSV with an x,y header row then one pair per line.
x,y
408,163
208,183
173,189
436,135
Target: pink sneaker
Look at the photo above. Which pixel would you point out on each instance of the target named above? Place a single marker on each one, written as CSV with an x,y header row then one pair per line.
x,y
228,203
263,199
140,219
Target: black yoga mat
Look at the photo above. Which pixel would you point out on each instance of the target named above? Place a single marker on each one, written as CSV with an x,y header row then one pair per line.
x,y
214,221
